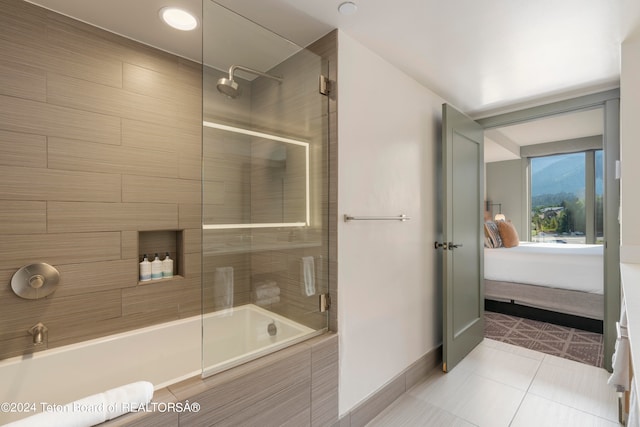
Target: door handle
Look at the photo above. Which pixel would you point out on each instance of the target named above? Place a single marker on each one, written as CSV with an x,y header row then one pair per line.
x,y
451,246
437,245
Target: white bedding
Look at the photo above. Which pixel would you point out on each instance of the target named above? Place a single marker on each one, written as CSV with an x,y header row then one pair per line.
x,y
556,265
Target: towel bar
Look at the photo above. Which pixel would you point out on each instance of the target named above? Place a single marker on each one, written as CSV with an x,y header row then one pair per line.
x,y
401,217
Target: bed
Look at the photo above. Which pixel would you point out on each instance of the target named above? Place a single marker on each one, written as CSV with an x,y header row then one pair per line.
x,y
556,282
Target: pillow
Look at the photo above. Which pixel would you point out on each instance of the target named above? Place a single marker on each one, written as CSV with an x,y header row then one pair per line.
x,y
492,235
487,241
508,234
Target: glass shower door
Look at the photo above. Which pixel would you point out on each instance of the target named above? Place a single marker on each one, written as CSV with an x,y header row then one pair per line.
x,y
265,191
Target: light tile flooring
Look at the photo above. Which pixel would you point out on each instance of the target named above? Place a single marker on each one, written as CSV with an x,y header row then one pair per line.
x,y
499,384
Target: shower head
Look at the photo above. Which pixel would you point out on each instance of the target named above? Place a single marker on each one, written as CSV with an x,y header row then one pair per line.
x,y
230,88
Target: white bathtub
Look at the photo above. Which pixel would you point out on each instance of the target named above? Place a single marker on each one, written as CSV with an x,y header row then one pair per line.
x,y
225,346
162,354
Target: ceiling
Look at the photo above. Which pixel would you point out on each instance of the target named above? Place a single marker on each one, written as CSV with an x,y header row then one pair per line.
x,y
483,57
504,143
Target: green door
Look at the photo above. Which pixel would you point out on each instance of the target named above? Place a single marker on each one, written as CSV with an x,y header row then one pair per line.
x,y
463,282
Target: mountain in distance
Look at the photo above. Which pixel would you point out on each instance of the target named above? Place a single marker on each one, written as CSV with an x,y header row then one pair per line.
x,y
562,174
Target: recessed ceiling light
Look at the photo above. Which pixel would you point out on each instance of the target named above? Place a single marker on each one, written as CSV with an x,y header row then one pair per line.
x,y
347,8
178,18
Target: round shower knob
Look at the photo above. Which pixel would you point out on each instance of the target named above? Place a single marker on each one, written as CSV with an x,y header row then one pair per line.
x,y
35,281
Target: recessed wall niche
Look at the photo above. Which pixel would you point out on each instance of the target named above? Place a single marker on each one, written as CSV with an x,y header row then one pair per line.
x,y
161,242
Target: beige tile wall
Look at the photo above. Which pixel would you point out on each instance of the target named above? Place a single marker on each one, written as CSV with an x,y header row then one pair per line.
x,y
91,154
297,386
100,138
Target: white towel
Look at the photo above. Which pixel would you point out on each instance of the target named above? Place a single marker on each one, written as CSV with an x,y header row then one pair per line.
x,y
620,360
267,290
94,409
223,282
620,376
127,398
268,301
308,276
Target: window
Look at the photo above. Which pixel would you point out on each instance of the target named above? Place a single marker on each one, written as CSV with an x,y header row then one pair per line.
x,y
599,189
567,198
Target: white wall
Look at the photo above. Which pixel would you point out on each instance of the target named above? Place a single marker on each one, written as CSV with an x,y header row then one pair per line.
x,y
389,313
630,148
504,185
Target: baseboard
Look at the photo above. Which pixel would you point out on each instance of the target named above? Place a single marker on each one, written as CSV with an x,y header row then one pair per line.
x,y
367,410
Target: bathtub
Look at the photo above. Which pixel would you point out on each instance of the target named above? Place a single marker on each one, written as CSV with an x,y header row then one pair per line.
x,y
162,354
225,347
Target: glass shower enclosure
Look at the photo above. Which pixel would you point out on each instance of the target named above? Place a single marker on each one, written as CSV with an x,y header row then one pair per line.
x,y
264,191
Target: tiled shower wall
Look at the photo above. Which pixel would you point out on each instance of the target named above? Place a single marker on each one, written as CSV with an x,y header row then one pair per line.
x,y
100,139
242,184
100,144
304,114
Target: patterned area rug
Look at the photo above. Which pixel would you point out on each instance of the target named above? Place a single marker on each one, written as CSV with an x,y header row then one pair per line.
x,y
561,341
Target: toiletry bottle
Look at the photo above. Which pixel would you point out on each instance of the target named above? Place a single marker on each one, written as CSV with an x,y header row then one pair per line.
x,y
145,269
167,266
156,268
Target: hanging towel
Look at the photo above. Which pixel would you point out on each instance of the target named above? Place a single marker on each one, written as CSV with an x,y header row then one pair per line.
x,y
620,376
94,409
223,282
308,276
620,360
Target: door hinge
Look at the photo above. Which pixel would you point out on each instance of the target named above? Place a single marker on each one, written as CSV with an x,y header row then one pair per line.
x,y
324,86
325,302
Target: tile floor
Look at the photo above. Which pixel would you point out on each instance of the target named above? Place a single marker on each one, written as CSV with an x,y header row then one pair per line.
x,y
499,384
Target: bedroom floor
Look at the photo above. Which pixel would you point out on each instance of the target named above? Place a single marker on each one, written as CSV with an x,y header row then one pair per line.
x,y
500,384
569,343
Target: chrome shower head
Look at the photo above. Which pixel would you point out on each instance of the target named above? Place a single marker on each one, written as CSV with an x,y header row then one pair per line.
x,y
230,88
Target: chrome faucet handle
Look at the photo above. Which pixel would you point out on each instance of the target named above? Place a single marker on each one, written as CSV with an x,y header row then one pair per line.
x,y
39,333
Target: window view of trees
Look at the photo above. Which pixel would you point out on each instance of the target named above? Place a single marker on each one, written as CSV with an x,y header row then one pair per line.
x,y
599,159
558,187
